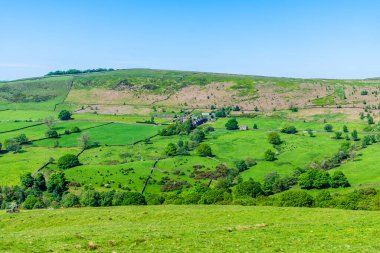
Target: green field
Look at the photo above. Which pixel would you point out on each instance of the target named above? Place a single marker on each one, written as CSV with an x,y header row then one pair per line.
x,y
190,229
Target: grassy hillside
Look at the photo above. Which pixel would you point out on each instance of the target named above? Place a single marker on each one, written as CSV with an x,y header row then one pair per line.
x,y
190,229
112,92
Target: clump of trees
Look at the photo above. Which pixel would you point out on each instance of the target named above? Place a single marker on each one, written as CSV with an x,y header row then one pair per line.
x,y
68,161
76,71
64,115
288,129
232,124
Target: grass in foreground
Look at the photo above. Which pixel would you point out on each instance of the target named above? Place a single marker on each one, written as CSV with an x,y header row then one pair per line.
x,y
190,229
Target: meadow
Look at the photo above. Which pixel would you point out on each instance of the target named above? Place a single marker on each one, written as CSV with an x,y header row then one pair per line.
x,y
190,229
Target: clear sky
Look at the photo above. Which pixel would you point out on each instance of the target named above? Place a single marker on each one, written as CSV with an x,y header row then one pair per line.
x,y
294,38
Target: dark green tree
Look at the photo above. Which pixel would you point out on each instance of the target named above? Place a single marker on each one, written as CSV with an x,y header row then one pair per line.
x,y
232,124
68,161
64,115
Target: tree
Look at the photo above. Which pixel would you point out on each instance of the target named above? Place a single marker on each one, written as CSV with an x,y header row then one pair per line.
x,y
12,145
128,198
64,115
345,129
255,126
314,179
51,134
27,180
338,179
269,155
68,161
249,188
89,198
296,198
30,202
328,128
171,149
204,150
354,135
57,184
40,182
274,138
49,121
69,200
288,129
370,120
232,124
338,135
21,139
241,165
85,141
198,135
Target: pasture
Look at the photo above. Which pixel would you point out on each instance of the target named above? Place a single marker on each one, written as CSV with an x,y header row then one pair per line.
x,y
190,229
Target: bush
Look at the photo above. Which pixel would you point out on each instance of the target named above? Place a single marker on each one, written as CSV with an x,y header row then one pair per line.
x,y
296,198
106,198
128,198
204,150
51,134
75,130
68,161
30,201
269,155
338,179
317,179
90,198
212,196
323,199
241,165
328,128
64,115
274,138
171,149
249,188
232,124
70,200
289,129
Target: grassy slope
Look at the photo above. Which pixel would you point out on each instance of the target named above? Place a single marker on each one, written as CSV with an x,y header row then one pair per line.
x,y
190,229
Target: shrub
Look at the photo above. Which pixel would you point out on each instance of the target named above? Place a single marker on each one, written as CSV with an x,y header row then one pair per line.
x,y
128,198
241,165
212,196
68,161
204,150
328,128
296,198
51,134
314,179
27,180
171,149
75,130
323,199
70,200
90,198
338,179
249,188
106,198
269,155
274,138
289,129
64,115
232,124
57,184
30,201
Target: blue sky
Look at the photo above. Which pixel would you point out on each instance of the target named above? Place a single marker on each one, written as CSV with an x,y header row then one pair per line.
x,y
294,38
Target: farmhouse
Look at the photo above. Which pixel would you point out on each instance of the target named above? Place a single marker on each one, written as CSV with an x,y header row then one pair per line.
x,y
243,128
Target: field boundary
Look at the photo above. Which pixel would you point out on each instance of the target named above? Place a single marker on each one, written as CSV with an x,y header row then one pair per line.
x,y
21,128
